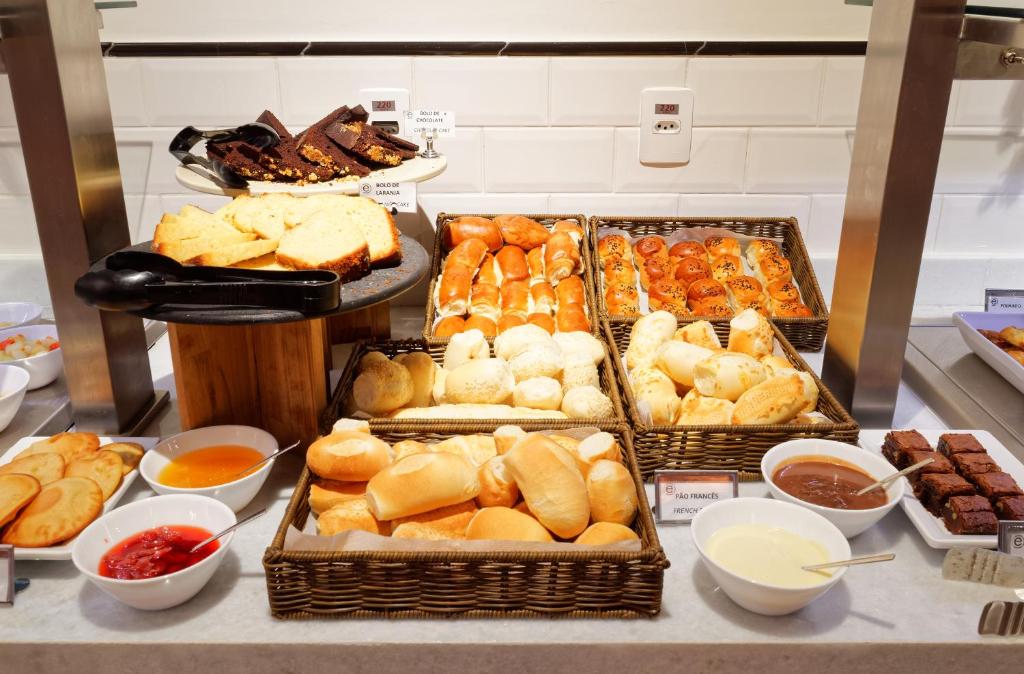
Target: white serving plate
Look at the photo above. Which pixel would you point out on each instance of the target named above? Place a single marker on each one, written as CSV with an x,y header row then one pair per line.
x,y
413,170
969,322
63,551
932,528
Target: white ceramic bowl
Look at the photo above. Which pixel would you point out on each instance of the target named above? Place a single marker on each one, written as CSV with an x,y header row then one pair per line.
x,y
153,594
45,367
850,522
13,384
761,597
236,495
19,313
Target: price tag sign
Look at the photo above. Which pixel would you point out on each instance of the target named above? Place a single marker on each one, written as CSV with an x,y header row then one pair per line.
x,y
390,195
1011,538
680,494
436,122
1004,300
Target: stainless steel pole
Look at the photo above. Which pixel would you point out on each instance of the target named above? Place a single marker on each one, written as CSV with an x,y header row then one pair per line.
x,y
52,53
908,74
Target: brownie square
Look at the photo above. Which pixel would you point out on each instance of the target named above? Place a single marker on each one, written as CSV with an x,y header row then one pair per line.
x,y
959,443
972,464
969,515
898,442
1010,508
939,464
933,489
995,485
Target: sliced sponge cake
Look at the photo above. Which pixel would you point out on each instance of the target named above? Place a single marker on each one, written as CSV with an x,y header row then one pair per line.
x,y
327,239
378,227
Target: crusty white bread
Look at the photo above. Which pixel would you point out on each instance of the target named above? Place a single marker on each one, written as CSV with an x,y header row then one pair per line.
x,y
325,241
224,255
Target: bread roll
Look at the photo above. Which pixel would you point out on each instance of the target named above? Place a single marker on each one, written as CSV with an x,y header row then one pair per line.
x,y
382,388
714,307
497,488
468,255
488,273
449,325
485,381
759,248
751,333
700,333
648,333
423,370
428,532
810,392
773,401
535,262
437,396
597,447
464,347
509,321
404,448
791,310
542,321
348,456
570,291
579,371
420,483
371,360
570,227
325,494
726,267
505,524
514,341
622,299
722,245
543,296
611,492
358,425
782,290
655,269
656,392
603,533
776,365
566,442
727,375
542,393
587,402
649,246
700,410
475,411
472,227
349,516
692,269
477,449
687,248
485,301
678,359
447,523
582,344
519,230
551,485
561,257
614,246
543,359
512,262
453,290
485,325
668,295
811,418
506,437
618,270
704,289
515,298
571,318
773,267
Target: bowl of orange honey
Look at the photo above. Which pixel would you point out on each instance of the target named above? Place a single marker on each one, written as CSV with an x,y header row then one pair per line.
x,y
215,461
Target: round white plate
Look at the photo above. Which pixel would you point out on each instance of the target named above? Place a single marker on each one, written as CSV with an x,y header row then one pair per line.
x,y
413,170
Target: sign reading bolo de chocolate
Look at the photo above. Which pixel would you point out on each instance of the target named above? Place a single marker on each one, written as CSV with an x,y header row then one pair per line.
x,y
680,494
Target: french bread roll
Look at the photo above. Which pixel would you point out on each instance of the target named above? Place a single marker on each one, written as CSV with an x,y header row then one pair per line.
x,y
477,449
581,345
648,333
348,516
811,418
325,494
427,532
348,456
700,333
518,339
437,396
611,492
776,365
447,523
423,370
566,442
751,333
677,360
505,524
470,227
551,485
421,483
700,410
597,447
542,393
450,325
587,402
358,425
474,411
578,371
485,381
506,437
603,533
726,374
810,392
464,347
382,388
404,448
497,488
543,359
657,392
773,401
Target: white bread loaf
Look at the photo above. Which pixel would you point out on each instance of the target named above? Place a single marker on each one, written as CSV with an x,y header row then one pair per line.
x,y
578,372
648,333
810,392
437,392
596,447
358,425
542,359
404,448
657,391
612,493
726,374
423,370
518,339
421,483
566,442
587,402
776,365
348,516
325,494
603,533
370,360
506,437
751,333
542,393
382,388
348,456
581,344
678,359
485,381
464,347
447,523
477,449
700,333
497,487
551,485
773,401
505,524
473,411
699,410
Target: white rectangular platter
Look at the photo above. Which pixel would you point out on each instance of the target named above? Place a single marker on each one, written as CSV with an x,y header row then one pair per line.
x,y
969,322
62,552
932,528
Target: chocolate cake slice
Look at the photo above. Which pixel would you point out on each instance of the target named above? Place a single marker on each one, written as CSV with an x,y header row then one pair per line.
x,y
959,443
934,489
968,464
314,145
359,139
969,515
939,464
284,160
240,157
995,485
898,442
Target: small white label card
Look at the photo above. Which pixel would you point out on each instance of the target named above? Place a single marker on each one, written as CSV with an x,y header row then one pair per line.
x,y
437,122
390,195
1011,538
1004,300
680,494
6,575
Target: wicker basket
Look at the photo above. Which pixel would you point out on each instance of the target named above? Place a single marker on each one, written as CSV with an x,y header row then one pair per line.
x,y
737,448
378,584
806,334
391,348
545,219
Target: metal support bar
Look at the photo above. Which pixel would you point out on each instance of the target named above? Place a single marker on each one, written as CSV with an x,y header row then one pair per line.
x,y
51,48
908,73
987,49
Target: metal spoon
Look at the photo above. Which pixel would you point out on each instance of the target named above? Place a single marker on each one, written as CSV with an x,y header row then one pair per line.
x,y
863,559
264,460
234,526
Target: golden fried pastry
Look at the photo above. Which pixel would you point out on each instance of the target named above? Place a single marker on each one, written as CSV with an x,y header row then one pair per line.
x,y
47,467
105,468
16,492
1013,335
60,511
130,453
68,445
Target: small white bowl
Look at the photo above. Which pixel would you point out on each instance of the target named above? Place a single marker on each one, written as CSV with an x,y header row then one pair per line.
x,y
153,594
45,367
13,384
850,522
19,313
236,495
761,597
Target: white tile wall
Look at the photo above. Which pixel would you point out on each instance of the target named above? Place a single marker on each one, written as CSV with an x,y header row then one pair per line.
x,y
6,102
548,160
484,91
124,84
593,91
985,161
981,225
464,152
749,205
716,164
311,88
990,103
826,223
613,204
208,91
840,92
13,179
942,280
749,91
798,160
18,225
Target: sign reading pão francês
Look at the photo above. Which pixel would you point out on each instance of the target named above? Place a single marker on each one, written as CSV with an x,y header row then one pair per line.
x,y
399,196
680,494
437,122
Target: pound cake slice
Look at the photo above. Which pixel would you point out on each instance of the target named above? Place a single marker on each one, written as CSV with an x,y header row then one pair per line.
x,y
225,255
378,227
173,228
326,240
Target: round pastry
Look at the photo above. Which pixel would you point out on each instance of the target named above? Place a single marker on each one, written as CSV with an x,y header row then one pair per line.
x,y
587,402
668,295
726,267
509,321
579,371
485,381
689,249
783,290
774,267
614,245
464,347
727,375
650,246
692,269
791,310
722,245
618,270
744,289
542,359
348,456
705,288
515,341
603,533
582,343
714,307
647,334
540,393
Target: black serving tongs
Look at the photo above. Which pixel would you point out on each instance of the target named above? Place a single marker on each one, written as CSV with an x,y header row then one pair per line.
x,y
137,280
257,134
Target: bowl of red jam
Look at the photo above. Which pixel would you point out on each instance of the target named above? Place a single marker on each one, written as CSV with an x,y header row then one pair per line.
x,y
141,553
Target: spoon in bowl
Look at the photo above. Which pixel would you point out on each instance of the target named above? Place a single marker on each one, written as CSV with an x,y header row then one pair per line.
x,y
863,559
886,481
234,526
264,460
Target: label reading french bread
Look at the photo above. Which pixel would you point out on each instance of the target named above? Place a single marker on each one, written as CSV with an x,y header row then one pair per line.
x,y
419,123
400,197
1011,538
680,494
1004,300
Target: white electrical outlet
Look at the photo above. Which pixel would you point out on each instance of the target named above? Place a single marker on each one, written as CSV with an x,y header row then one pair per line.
x,y
386,107
666,126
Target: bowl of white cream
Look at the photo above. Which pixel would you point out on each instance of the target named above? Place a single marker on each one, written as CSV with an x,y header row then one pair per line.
x,y
754,548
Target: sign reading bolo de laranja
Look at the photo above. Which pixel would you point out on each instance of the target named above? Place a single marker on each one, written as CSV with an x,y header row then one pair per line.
x,y
434,122
680,494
